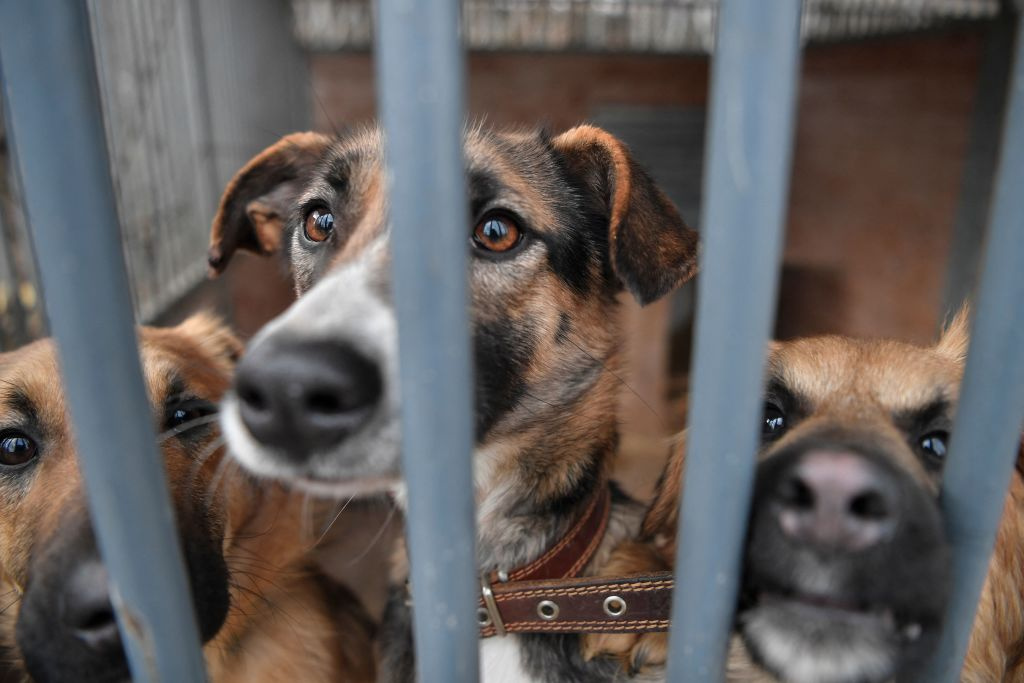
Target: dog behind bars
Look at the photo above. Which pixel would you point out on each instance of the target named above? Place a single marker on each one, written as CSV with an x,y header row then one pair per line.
x,y
556,227
846,566
264,612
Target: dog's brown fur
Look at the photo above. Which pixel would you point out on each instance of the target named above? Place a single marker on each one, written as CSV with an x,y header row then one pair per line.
x,y
853,381
285,623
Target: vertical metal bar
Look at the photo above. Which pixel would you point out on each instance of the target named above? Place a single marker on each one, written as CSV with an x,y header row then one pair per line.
x,y
753,92
420,69
980,165
49,79
988,424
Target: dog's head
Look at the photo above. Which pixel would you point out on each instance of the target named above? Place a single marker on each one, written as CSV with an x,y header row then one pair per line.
x,y
555,228
847,566
60,612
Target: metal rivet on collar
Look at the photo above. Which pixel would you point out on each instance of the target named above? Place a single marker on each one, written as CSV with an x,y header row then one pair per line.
x,y
547,610
614,606
483,617
503,576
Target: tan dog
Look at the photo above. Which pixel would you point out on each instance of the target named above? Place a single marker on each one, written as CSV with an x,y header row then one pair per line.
x,y
846,568
265,615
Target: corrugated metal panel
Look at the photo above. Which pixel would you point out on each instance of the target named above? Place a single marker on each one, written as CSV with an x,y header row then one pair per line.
x,y
257,78
658,26
153,114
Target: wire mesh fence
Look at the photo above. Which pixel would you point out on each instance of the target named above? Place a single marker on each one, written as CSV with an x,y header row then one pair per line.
x,y
642,26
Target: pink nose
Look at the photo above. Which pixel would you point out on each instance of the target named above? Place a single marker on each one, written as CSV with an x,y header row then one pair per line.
x,y
836,499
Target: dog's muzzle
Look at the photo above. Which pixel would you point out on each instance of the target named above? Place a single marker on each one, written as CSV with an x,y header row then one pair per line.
x,y
846,569
302,397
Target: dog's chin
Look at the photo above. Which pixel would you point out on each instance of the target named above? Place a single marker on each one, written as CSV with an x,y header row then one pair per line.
x,y
813,639
365,465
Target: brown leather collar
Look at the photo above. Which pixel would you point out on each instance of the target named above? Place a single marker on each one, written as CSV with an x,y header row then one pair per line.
x,y
631,604
570,555
547,595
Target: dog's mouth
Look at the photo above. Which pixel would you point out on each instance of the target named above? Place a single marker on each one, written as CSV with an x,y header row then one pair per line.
x,y
836,610
817,637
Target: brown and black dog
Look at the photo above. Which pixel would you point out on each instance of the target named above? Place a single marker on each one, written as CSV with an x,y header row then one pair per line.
x,y
556,227
264,613
846,567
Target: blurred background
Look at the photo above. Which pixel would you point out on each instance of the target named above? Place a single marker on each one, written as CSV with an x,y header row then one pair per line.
x,y
898,118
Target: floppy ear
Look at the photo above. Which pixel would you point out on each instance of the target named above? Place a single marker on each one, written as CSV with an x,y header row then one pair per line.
x,y
651,249
956,336
213,335
256,202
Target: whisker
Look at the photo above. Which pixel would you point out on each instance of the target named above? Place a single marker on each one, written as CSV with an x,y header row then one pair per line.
x,y
377,536
623,382
187,426
331,523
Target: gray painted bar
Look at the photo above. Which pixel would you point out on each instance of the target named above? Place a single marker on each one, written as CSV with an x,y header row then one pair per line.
x,y
991,410
754,82
420,75
49,81
972,211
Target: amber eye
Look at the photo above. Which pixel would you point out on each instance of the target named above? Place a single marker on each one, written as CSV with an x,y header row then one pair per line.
x,y
319,225
16,449
497,234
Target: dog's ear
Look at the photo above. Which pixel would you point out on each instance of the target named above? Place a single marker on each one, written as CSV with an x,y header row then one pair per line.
x,y
256,202
213,336
956,336
652,251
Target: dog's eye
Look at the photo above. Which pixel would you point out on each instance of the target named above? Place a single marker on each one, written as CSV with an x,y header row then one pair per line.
x,y
187,414
497,234
319,225
774,422
16,449
934,444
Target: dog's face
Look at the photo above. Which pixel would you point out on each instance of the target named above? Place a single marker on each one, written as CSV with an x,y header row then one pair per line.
x,y
60,613
555,228
847,567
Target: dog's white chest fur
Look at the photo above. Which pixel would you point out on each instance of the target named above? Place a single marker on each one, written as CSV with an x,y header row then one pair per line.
x,y
501,661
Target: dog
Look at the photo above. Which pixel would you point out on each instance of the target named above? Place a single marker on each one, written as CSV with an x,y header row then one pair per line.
x,y
265,614
557,227
846,567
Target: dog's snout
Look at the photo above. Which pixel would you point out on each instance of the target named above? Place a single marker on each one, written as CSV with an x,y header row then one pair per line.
x,y
836,499
302,397
87,610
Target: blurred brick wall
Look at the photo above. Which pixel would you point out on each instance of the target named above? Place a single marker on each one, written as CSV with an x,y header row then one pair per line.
x,y
880,142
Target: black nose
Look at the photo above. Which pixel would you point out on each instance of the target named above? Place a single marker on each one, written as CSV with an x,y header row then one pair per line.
x,y
301,397
836,499
87,611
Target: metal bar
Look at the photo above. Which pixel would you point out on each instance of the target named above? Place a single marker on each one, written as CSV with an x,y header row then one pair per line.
x,y
49,79
753,92
991,409
420,75
980,165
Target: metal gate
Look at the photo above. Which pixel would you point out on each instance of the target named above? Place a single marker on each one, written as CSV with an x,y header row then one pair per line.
x,y
59,140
